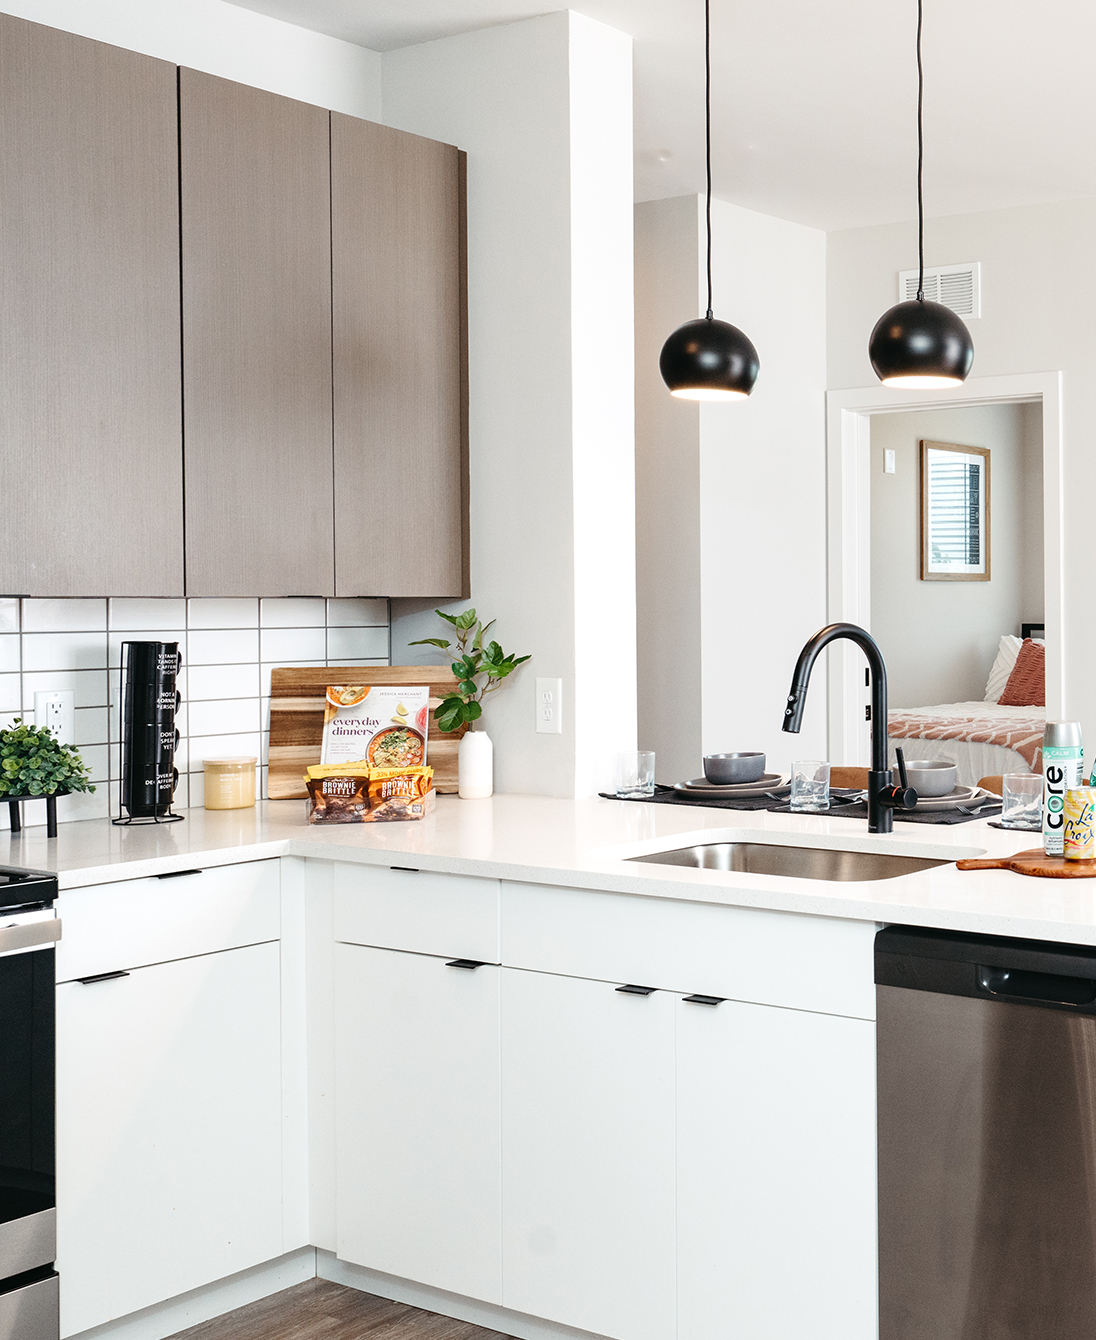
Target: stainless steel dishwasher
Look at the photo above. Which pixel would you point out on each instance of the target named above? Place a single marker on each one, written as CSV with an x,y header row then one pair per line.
x,y
987,1137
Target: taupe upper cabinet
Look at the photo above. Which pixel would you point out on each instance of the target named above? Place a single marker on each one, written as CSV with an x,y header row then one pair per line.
x,y
256,235
397,226
90,449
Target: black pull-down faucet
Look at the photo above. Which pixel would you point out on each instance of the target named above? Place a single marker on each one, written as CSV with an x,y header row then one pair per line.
x,y
883,795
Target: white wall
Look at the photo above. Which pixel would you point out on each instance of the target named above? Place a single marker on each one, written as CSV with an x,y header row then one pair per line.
x,y
1039,291
741,587
966,619
224,40
543,109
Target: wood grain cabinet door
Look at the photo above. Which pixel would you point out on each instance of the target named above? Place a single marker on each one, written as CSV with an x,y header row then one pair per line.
x,y
399,367
256,220
90,398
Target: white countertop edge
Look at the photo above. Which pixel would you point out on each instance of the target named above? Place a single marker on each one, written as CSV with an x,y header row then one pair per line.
x,y
583,844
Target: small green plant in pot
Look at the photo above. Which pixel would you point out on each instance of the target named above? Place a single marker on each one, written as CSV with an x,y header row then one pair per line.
x,y
480,670
34,763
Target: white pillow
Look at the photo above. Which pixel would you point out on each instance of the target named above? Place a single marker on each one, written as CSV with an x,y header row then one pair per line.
x,y
1007,651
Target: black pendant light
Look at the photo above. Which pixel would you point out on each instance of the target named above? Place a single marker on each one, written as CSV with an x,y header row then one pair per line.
x,y
709,359
919,344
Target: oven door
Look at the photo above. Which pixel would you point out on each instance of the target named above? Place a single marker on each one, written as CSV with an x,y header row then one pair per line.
x,y
28,1287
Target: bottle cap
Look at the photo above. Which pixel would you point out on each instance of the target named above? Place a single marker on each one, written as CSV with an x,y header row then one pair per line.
x,y
1062,735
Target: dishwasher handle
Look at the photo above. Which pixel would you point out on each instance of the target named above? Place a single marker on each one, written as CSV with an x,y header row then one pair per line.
x,y
30,935
1044,988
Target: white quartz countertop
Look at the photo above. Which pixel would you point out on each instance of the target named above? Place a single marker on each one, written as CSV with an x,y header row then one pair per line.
x,y
585,843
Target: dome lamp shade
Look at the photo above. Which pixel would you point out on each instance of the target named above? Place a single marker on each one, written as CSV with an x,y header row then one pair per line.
x,y
708,359
921,345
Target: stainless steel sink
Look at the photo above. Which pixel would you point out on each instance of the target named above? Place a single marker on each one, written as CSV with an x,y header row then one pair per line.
x,y
770,858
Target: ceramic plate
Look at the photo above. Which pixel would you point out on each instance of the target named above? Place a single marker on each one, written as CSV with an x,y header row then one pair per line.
x,y
962,795
769,781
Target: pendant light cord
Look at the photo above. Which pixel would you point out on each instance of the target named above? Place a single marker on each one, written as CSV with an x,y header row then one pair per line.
x,y
708,138
921,160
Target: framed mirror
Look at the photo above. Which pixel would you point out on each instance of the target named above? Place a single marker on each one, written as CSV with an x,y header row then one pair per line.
x,y
955,515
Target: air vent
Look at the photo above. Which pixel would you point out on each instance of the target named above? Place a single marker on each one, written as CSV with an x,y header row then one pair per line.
x,y
956,286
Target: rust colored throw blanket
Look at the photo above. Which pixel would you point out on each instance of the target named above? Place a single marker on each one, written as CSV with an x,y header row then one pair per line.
x,y
1018,728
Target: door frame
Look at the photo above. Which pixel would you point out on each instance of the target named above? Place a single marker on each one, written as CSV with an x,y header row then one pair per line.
x,y
848,529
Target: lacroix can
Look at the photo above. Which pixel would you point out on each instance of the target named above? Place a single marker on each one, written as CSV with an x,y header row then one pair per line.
x,y
1079,831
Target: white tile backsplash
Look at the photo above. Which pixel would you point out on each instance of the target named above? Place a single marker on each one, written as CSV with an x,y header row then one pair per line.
x,y
64,644
64,616
223,646
242,612
294,644
353,612
135,616
65,651
355,643
293,612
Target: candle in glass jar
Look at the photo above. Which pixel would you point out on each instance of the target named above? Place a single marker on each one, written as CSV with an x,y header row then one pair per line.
x,y
229,783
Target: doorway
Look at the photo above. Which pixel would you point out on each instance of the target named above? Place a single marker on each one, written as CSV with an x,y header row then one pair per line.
x,y
849,495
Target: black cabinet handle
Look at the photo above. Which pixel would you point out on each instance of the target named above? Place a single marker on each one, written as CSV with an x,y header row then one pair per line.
x,y
410,869
632,990
704,1000
102,977
471,964
178,874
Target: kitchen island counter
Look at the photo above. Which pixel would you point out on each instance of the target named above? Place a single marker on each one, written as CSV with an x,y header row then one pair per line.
x,y
584,844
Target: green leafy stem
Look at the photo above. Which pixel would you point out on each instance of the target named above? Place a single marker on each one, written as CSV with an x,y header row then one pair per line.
x,y
34,763
479,669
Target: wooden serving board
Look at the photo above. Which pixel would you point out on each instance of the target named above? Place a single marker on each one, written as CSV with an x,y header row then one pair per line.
x,y
1035,862
298,696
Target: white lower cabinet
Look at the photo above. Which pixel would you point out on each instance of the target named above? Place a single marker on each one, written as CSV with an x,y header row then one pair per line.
x,y
776,1189
417,1118
588,1154
169,1157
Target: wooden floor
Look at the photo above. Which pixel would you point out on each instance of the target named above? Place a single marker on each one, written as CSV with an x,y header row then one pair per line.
x,y
319,1310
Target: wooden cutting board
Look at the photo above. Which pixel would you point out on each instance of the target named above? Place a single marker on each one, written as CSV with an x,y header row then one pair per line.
x,y
298,696
1035,862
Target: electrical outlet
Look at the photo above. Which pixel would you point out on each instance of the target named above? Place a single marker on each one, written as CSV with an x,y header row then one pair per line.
x,y
550,706
56,709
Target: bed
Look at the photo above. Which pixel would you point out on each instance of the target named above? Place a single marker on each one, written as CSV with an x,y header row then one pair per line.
x,y
983,738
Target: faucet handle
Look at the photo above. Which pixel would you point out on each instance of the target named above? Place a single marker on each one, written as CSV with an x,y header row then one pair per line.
x,y
900,754
899,798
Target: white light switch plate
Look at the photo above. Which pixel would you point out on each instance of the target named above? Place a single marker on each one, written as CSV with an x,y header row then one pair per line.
x,y
888,462
549,706
56,708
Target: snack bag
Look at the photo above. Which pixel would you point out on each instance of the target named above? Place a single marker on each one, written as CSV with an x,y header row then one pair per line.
x,y
338,795
346,793
397,793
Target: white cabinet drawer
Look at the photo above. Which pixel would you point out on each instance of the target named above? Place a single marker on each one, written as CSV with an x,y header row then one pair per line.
x,y
417,910
771,958
141,921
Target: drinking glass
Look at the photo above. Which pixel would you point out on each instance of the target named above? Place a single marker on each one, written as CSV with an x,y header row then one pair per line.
x,y
810,786
636,774
1022,801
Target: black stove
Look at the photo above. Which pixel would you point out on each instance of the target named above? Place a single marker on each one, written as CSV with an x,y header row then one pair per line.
x,y
28,1215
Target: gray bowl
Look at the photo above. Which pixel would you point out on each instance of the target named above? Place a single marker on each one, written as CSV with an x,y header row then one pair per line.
x,y
730,769
931,777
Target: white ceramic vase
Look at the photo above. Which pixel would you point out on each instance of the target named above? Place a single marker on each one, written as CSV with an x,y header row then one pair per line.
x,y
475,765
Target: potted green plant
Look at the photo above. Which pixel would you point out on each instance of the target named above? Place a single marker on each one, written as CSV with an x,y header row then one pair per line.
x,y
480,670
33,763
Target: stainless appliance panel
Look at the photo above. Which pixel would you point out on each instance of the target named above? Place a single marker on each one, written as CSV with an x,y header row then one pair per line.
x,y
28,1242
987,1169
31,1312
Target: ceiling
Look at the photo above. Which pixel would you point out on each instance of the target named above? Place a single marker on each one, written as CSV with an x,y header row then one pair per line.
x,y
814,101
